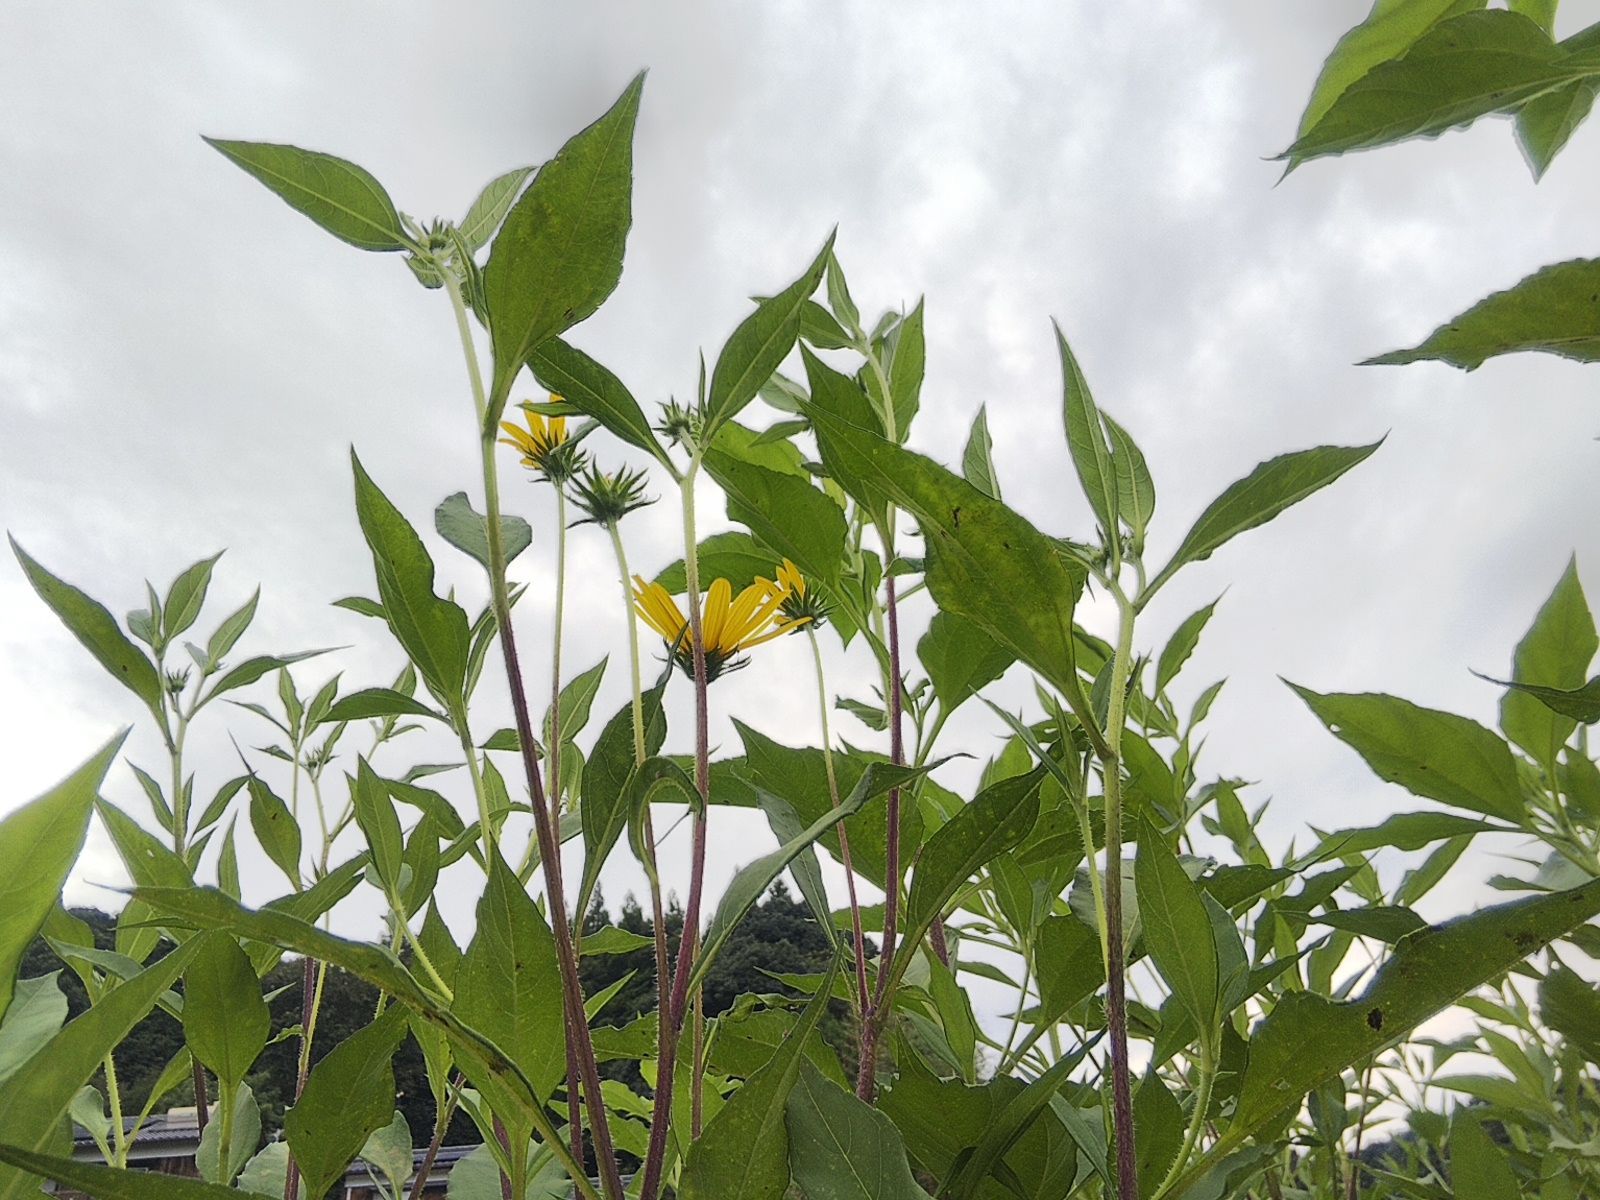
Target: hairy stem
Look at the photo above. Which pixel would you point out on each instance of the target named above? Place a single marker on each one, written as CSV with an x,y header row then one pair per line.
x,y
1116,968
862,999
312,976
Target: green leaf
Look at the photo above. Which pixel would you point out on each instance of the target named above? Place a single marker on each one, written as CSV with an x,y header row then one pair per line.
x,y
1273,486
1461,69
89,621
998,818
1386,922
1387,33
1570,1005
977,460
37,1097
1554,654
225,1021
595,392
508,986
743,1154
252,669
111,1183
576,700
275,828
1579,706
906,369
1308,1039
468,530
843,1149
377,702
750,882
1086,440
1552,311
757,347
338,195
380,824
786,825
490,208
39,842
1177,930
1181,644
984,562
558,254
734,556
348,1096
244,1136
1437,755
1404,831
960,658
1479,1169
1136,491
186,597
783,511
1545,123
232,629
432,631
37,1012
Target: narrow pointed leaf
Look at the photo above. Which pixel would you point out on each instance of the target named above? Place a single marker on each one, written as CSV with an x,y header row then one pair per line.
x,y
338,195
1086,440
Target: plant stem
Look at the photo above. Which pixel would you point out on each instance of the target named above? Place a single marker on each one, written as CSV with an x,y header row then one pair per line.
x,y
119,1146
441,1123
1197,1119
862,999
1116,973
312,976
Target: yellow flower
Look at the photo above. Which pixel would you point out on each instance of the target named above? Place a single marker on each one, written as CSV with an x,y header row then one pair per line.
x,y
799,605
543,437
729,625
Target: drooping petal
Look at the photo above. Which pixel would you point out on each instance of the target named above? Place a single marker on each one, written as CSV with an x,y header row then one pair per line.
x,y
714,620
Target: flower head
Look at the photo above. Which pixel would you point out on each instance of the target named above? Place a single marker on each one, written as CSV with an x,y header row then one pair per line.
x,y
729,625
608,496
800,603
681,424
544,444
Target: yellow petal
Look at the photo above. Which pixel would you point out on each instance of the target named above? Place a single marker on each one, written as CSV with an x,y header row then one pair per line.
x,y
714,619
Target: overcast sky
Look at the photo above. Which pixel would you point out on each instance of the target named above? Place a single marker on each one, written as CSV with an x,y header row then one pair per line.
x,y
184,360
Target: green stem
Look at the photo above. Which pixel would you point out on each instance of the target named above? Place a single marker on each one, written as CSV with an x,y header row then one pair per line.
x,y
119,1145
1197,1119
225,1101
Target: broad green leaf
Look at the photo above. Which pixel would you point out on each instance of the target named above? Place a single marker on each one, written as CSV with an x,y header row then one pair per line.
x,y
37,1012
338,195
998,818
847,401
1547,122
906,369
267,1173
596,392
252,669
225,1020
1552,311
1177,930
468,530
1273,486
960,658
186,597
508,986
577,697
1086,440
786,825
1308,1039
1136,491
977,460
233,627
1463,68
377,702
1578,706
244,1137
1554,653
783,511
39,842
1479,1169
1405,831
985,562
89,621
432,631
558,254
1011,1122
348,1096
1181,644
380,824
734,556
275,829
751,882
818,327
109,1183
37,1097
606,780
800,777
1068,963
1386,922
843,1149
743,1154
1437,755
389,1149
757,347
1570,1006
1387,33
490,208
